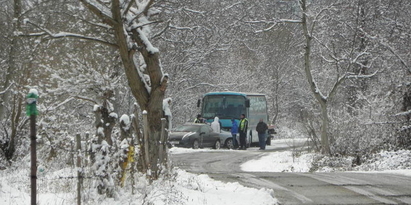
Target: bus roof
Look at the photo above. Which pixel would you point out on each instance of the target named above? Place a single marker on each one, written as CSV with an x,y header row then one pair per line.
x,y
233,93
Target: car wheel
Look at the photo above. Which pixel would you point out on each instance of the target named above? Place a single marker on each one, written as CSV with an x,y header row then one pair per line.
x,y
196,145
229,144
217,144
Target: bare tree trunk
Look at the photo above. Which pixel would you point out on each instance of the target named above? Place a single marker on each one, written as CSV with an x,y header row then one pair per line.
x,y
322,101
15,119
12,59
325,144
148,101
275,100
149,95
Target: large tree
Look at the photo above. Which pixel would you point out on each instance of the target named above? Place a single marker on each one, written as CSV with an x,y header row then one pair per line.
x,y
125,27
129,22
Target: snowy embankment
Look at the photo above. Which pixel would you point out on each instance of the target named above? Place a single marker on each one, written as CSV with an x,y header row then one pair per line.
x,y
398,162
181,188
185,188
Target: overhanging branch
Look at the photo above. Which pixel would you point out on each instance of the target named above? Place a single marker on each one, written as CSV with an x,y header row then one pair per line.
x,y
5,90
47,32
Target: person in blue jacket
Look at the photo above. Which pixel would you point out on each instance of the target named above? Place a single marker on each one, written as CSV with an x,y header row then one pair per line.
x,y
234,132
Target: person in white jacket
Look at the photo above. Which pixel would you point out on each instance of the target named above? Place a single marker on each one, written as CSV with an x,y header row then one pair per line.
x,y
167,111
216,125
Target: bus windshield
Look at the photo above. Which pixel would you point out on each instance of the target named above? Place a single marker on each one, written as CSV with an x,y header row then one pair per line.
x,y
223,106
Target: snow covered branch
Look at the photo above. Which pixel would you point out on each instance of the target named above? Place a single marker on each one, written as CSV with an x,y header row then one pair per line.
x,y
85,98
362,76
348,76
398,56
318,17
204,84
290,21
100,10
65,35
266,29
403,113
194,11
135,26
391,49
4,91
52,108
274,23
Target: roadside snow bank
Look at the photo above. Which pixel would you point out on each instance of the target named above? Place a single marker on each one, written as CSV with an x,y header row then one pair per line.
x,y
398,162
387,160
285,161
181,188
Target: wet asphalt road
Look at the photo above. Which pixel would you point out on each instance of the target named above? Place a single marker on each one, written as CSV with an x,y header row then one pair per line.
x,y
298,188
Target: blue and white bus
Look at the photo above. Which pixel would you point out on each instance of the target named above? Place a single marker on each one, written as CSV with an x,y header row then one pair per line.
x,y
230,105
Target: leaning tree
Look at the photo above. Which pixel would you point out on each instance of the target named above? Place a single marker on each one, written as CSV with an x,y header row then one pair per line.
x,y
129,22
125,25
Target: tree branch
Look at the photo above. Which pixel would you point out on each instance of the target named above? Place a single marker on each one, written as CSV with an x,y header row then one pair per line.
x,y
130,4
5,90
65,34
101,11
84,98
162,31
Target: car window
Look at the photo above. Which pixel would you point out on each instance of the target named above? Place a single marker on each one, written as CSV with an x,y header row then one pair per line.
x,y
205,129
209,129
186,128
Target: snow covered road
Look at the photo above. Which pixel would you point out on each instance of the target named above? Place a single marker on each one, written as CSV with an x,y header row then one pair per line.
x,y
297,187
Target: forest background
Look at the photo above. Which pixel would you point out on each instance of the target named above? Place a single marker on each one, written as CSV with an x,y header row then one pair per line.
x,y
339,65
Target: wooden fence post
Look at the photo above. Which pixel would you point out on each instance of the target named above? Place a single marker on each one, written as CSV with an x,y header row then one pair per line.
x,y
31,110
79,170
86,151
162,141
145,130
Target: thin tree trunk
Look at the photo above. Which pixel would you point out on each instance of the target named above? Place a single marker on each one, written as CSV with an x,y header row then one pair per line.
x,y
325,145
15,119
322,101
12,56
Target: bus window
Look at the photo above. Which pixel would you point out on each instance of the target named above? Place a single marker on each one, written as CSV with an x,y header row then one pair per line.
x,y
258,109
223,106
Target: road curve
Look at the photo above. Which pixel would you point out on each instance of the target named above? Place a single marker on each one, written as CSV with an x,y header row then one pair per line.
x,y
298,188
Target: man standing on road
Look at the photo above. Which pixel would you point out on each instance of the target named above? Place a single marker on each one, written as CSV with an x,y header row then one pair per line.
x,y
262,133
242,129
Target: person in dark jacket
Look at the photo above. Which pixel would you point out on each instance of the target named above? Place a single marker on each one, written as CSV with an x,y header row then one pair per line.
x,y
242,129
199,119
262,133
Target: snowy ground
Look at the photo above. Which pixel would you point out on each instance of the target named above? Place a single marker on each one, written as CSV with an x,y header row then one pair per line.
x,y
185,188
